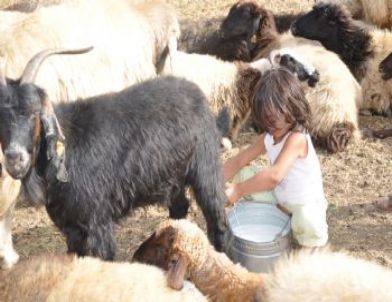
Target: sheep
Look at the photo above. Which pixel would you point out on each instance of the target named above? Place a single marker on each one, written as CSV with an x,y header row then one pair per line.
x,y
334,101
377,12
110,28
68,278
206,37
361,48
142,145
129,41
229,85
182,249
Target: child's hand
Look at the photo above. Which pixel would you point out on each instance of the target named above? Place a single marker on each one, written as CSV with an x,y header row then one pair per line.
x,y
232,194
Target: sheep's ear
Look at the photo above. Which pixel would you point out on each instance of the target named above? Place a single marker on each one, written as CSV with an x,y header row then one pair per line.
x,y
177,271
55,149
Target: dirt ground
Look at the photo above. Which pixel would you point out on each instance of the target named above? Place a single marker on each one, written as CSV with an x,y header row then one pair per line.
x,y
352,179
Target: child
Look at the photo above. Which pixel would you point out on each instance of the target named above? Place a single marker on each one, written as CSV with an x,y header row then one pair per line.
x,y
280,107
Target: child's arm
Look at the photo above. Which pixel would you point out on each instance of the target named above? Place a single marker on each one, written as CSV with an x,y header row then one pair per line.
x,y
237,162
267,179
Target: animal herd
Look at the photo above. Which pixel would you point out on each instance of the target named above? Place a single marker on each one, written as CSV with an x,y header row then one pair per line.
x,y
104,112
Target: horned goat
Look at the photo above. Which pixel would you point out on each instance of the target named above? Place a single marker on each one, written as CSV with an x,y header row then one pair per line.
x,y
142,145
181,248
361,48
129,42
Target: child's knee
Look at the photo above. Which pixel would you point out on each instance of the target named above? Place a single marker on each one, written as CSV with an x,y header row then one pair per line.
x,y
309,226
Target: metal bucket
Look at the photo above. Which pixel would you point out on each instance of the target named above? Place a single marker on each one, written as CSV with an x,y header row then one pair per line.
x,y
259,234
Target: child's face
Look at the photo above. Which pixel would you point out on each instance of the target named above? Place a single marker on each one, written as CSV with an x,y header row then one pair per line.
x,y
280,128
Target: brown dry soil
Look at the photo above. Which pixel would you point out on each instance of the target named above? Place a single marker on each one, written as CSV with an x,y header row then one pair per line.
x,y
352,180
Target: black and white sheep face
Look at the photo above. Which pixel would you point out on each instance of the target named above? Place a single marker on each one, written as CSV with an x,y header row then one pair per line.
x,y
19,126
321,24
385,67
298,65
242,21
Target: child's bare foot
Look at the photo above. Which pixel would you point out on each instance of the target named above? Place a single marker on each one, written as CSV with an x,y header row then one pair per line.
x,y
384,203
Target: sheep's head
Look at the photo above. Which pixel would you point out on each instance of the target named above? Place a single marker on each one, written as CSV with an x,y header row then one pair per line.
x,y
324,23
25,113
175,246
242,20
385,67
298,65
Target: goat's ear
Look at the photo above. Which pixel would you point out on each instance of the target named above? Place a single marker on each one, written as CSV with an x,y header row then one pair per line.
x,y
176,273
55,150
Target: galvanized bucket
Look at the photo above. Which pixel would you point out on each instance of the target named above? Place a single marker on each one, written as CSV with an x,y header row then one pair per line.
x,y
259,234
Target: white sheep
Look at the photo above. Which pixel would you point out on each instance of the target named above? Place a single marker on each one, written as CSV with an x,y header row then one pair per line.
x,y
68,278
227,85
129,42
183,249
361,48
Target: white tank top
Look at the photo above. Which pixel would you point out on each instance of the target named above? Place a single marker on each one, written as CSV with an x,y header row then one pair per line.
x,y
303,183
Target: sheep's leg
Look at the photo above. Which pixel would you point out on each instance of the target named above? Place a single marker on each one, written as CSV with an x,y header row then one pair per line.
x,y
179,206
338,138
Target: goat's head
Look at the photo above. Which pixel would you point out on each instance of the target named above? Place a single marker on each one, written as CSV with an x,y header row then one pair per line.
x,y
175,246
244,20
324,23
385,67
25,114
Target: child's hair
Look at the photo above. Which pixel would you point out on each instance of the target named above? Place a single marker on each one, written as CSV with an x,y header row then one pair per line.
x,y
279,94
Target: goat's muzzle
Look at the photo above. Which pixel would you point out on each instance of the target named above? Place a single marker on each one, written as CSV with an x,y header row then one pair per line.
x,y
17,161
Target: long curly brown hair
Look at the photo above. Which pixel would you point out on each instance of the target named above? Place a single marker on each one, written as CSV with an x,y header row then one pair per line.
x,y
278,94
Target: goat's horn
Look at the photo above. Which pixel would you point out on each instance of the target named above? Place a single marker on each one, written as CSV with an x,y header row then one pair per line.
x,y
35,62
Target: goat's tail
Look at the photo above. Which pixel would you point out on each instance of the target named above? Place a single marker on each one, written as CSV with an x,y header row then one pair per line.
x,y
206,179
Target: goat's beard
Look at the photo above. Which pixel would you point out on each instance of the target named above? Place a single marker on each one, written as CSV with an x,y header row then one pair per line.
x,y
34,188
34,185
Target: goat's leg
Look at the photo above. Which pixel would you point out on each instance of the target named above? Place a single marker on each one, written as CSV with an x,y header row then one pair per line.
x,y
101,242
76,240
206,179
179,205
8,256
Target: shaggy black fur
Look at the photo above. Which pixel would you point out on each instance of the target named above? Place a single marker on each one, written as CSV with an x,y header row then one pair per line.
x,y
140,146
332,25
385,67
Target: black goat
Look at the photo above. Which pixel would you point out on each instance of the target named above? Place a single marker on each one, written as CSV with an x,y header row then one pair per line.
x,y
142,145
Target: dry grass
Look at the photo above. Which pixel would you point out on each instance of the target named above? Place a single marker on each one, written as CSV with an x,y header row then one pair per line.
x,y
352,179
